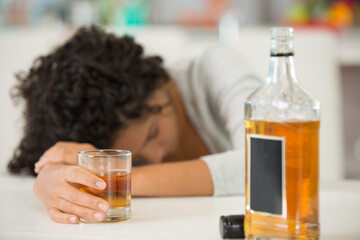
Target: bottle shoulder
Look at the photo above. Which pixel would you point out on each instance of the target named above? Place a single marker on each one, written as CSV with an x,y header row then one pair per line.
x,y
274,101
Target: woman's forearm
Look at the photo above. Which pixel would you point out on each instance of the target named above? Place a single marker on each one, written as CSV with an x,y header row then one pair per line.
x,y
188,178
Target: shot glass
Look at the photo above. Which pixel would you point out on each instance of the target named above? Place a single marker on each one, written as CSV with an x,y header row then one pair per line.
x,y
114,167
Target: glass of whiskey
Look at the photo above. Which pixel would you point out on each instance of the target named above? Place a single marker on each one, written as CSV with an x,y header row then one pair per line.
x,y
114,167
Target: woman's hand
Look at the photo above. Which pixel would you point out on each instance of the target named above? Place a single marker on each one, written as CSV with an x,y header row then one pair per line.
x,y
62,152
62,201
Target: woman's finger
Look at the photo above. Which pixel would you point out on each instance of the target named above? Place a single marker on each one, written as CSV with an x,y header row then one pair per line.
x,y
75,174
84,199
65,152
87,213
60,217
45,159
53,154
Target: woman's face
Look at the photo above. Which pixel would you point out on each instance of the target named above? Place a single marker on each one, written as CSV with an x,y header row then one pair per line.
x,y
154,137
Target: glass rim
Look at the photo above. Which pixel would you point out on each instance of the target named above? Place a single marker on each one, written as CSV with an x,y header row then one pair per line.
x,y
118,153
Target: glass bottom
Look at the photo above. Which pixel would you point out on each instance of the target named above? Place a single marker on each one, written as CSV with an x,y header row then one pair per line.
x,y
112,215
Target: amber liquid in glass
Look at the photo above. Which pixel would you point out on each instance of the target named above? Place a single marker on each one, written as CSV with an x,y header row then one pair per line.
x,y
117,191
300,220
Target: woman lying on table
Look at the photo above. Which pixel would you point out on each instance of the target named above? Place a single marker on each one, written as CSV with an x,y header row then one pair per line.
x,y
184,127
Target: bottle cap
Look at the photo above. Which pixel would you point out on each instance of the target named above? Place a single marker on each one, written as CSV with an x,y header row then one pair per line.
x,y
282,41
232,226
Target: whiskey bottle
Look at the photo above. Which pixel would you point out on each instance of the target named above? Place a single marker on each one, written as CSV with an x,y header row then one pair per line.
x,y
282,151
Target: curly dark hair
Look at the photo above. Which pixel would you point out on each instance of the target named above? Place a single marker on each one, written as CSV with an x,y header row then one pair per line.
x,y
84,91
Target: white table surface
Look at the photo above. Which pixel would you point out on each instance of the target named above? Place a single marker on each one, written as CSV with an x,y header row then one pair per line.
x,y
21,216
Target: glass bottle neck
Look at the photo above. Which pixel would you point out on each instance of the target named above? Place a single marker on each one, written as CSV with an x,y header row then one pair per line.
x,y
282,69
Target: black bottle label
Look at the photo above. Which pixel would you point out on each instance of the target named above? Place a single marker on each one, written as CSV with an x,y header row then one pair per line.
x,y
266,174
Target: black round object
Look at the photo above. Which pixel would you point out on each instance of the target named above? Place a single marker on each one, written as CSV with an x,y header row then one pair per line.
x,y
232,226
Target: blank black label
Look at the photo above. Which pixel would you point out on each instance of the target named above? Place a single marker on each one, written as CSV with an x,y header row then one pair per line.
x,y
266,174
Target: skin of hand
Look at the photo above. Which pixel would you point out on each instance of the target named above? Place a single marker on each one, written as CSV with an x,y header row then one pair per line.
x,y
54,187
62,152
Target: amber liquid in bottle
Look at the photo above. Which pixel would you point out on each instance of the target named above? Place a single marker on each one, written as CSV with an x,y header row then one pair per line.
x,y
301,183
117,191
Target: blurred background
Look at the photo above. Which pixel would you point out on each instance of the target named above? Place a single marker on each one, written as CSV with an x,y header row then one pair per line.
x,y
327,45
204,13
